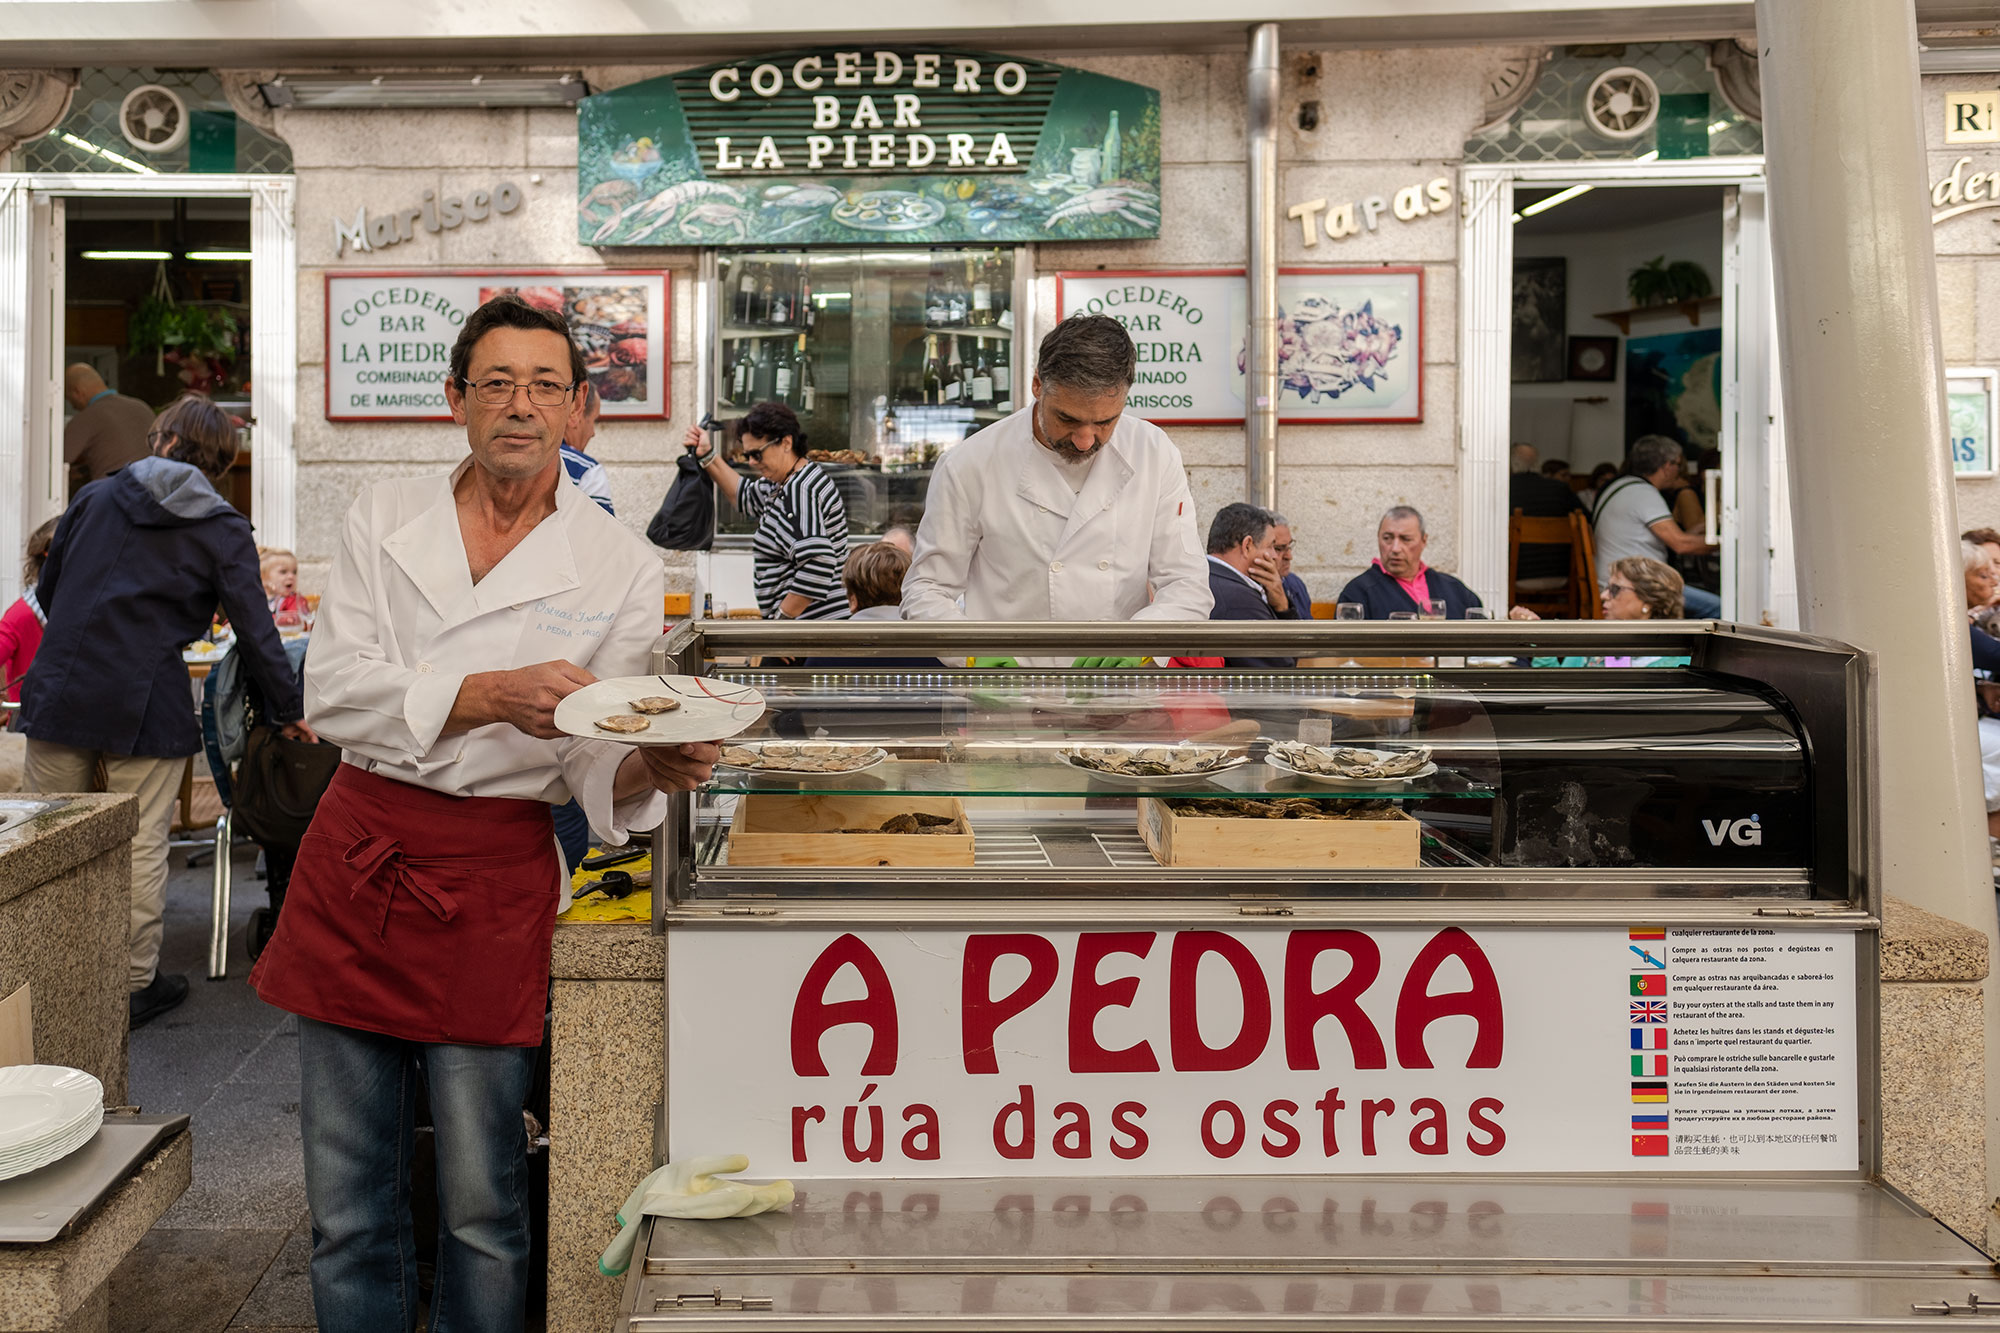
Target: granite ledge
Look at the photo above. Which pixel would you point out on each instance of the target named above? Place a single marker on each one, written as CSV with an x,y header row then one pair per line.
x,y
1922,946
90,825
41,1286
608,951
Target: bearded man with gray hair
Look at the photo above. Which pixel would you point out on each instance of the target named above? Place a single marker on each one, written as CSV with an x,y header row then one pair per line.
x,y
1067,510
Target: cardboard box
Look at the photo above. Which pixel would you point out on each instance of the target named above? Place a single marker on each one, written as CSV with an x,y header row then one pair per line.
x,y
783,830
1236,843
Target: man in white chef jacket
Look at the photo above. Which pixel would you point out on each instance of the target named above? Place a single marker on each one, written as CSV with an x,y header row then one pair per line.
x,y
1066,510
415,935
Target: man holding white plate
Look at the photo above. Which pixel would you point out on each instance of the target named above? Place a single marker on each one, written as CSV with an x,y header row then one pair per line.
x,y
415,937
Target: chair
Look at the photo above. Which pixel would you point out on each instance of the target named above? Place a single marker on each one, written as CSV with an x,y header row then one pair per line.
x,y
1553,597
1583,566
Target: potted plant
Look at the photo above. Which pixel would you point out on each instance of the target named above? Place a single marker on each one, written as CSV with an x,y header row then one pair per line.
x,y
161,323
1657,282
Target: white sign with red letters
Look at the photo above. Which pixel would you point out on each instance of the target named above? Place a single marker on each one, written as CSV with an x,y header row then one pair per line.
x,y
1114,1051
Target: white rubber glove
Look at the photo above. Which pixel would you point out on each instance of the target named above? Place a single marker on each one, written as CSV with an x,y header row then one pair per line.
x,y
690,1189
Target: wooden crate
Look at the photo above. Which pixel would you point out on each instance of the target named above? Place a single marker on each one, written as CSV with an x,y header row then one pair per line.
x,y
1178,839
773,829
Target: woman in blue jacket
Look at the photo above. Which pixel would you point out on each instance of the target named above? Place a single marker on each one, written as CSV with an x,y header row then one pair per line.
x,y
139,563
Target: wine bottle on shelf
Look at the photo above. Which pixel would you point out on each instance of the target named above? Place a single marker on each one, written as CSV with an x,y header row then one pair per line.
x,y
954,373
808,313
1003,375
781,375
937,298
982,376
933,378
807,390
765,287
957,296
980,272
1003,290
737,381
784,293
764,374
746,291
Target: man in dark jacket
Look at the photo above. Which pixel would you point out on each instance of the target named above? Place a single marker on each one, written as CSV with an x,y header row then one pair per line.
x,y
139,563
1399,579
1245,577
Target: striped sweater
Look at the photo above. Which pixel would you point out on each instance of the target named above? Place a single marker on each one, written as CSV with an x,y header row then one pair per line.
x,y
801,541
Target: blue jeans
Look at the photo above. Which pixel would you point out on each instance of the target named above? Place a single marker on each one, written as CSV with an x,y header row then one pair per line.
x,y
1701,604
357,1115
573,833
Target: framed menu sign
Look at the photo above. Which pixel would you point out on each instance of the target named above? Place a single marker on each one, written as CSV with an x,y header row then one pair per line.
x,y
389,336
1972,411
1350,341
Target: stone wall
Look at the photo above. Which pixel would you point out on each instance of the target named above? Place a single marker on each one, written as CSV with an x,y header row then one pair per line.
x,y
1387,118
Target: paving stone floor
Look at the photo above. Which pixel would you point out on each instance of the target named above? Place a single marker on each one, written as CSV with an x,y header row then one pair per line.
x,y
231,1253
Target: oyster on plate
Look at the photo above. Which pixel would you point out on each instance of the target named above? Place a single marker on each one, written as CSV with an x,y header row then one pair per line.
x,y
1347,761
1148,761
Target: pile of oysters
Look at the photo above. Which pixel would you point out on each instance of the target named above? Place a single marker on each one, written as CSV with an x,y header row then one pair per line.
x,y
913,823
802,756
1148,761
1343,761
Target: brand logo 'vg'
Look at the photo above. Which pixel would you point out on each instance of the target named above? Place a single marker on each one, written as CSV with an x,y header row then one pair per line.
x,y
1742,832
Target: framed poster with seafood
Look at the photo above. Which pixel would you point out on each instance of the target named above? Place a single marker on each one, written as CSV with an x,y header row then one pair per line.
x,y
1350,345
895,145
389,336
1350,341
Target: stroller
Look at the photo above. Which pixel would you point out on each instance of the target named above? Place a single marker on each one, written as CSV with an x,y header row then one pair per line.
x,y
266,796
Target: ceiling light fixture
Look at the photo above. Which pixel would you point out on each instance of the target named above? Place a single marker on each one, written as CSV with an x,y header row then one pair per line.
x,y
220,256
128,254
1564,196
320,92
118,158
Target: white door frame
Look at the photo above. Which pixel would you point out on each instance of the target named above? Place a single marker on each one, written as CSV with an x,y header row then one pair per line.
x,y
31,466
1486,266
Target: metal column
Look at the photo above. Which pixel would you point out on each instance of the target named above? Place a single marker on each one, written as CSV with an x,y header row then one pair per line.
x,y
1260,462
1874,511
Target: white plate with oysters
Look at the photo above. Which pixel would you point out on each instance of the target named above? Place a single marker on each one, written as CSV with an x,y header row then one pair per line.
x,y
659,710
1181,764
802,758
1350,765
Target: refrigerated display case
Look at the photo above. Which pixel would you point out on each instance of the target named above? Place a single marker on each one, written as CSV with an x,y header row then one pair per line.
x,y
889,357
1079,999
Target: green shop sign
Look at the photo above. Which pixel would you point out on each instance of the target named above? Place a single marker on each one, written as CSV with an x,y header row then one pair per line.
x,y
899,145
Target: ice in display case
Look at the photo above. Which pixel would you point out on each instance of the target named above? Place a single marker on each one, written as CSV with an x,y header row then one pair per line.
x,y
1564,1018
889,357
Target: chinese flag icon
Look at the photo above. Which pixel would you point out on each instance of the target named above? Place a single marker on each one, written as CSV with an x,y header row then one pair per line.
x,y
1649,983
1649,1145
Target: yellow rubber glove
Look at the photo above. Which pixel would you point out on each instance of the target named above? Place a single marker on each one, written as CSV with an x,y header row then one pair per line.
x,y
690,1189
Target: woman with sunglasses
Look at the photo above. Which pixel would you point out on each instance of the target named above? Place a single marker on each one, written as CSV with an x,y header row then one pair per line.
x,y
801,539
1639,588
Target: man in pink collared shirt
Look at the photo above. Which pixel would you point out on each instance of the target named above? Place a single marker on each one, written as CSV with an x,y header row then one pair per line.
x,y
1399,580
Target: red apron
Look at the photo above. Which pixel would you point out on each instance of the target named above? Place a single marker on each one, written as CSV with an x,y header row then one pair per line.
x,y
418,915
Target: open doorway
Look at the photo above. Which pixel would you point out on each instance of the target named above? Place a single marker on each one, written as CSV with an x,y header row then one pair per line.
x,y
1618,333
156,301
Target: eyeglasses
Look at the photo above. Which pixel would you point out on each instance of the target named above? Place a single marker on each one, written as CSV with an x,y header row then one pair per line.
x,y
1613,589
1286,549
752,455
499,392
153,437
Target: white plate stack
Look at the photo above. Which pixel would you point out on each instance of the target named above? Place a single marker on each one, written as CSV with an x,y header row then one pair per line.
x,y
46,1113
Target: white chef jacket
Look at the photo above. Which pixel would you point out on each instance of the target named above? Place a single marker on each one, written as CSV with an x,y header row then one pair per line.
x,y
1002,527
402,625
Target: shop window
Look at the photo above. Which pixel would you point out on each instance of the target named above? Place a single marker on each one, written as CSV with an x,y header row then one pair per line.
x,y
1630,101
214,139
889,357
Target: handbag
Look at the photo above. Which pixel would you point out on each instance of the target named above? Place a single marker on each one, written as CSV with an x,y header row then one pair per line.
x,y
279,783
686,518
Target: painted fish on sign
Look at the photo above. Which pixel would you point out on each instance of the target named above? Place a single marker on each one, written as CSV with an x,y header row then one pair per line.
x,y
882,146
